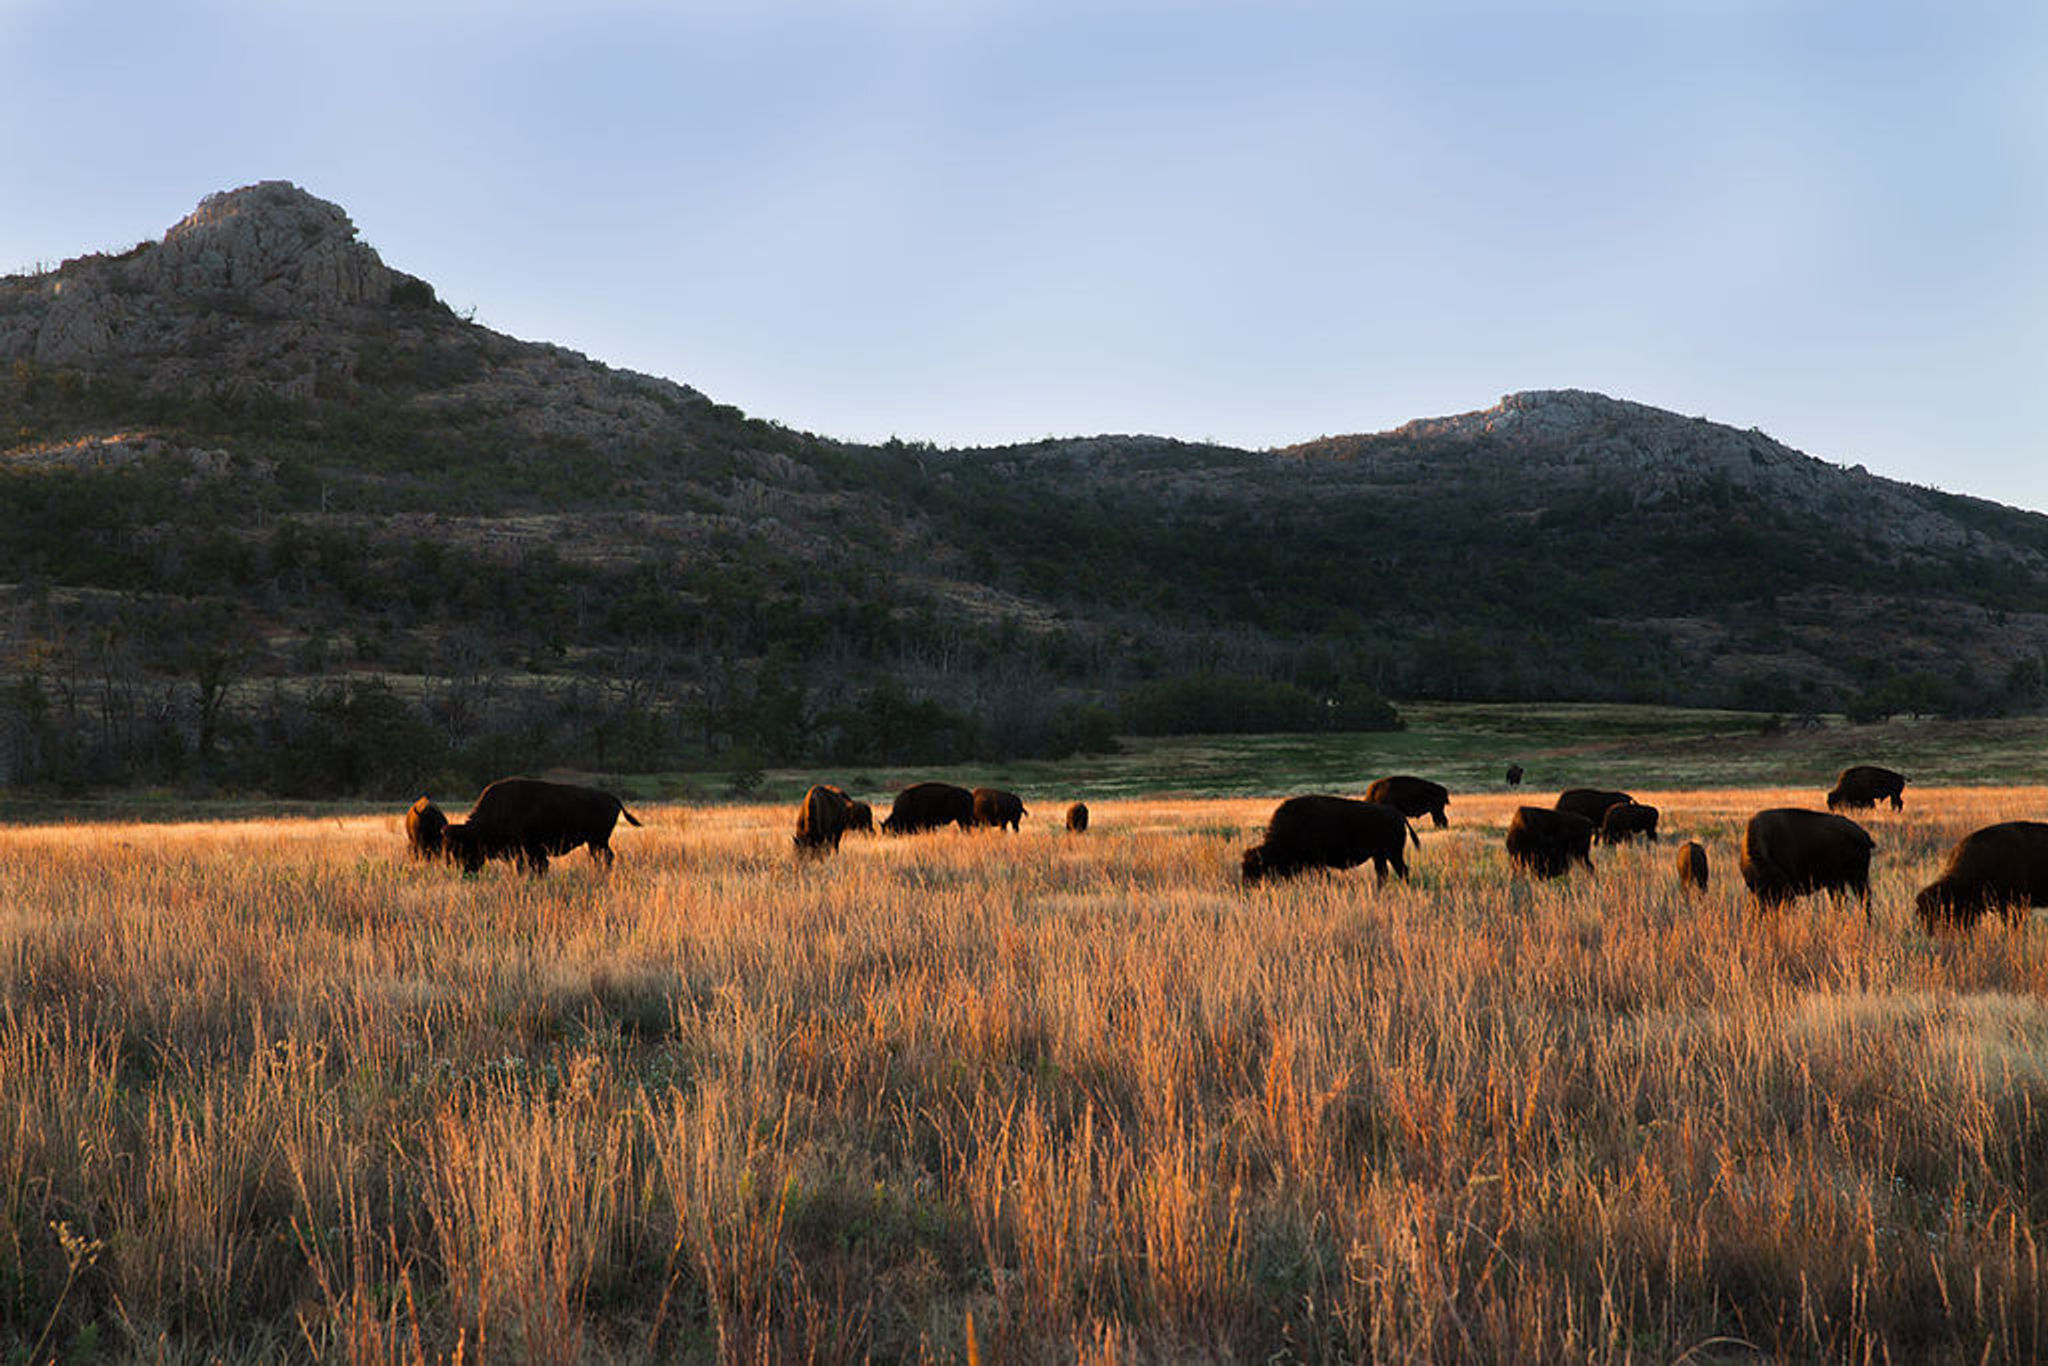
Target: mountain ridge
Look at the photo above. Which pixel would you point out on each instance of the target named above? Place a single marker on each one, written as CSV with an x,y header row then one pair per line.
x,y
256,413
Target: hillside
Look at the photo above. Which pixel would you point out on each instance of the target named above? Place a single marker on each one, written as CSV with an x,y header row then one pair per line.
x,y
268,508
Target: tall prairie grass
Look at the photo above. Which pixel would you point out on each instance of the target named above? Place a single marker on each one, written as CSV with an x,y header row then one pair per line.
x,y
270,1090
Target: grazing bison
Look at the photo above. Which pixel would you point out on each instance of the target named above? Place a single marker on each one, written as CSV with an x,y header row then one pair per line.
x,y
2001,868
1412,797
1862,786
1330,832
1077,818
425,823
1625,820
824,816
860,818
528,820
1547,843
1590,802
1692,866
1788,852
1514,775
927,806
993,806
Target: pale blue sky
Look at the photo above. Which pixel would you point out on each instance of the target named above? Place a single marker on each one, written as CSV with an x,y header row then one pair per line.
x,y
1249,222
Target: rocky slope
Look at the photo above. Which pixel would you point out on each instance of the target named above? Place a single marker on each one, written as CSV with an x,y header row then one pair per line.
x,y
257,410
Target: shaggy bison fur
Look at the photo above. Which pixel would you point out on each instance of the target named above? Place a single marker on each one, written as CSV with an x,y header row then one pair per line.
x,y
1077,818
825,815
1590,802
1692,866
1547,843
1330,832
993,806
1863,786
2001,868
927,806
528,820
425,824
1412,797
1788,852
1626,820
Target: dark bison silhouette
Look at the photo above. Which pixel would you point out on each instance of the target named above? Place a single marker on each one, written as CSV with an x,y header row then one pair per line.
x,y
528,820
1692,866
1626,820
993,806
1412,797
1077,818
1514,775
1862,786
1590,802
1547,843
927,806
1788,852
824,816
425,824
860,817
1320,831
2001,868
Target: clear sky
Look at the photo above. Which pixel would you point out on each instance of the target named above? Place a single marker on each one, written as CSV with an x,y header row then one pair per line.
x,y
1257,222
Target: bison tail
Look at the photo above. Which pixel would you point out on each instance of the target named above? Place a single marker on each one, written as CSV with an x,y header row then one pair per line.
x,y
631,819
1411,834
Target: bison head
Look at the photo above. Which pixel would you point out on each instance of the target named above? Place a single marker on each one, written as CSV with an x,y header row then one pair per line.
x,y
461,844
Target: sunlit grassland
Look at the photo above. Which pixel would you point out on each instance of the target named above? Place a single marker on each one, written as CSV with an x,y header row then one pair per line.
x,y
268,1089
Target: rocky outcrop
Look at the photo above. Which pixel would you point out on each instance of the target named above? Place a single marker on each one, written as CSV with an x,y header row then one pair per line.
x,y
257,282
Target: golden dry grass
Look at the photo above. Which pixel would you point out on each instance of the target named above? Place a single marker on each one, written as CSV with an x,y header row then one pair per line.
x,y
267,1089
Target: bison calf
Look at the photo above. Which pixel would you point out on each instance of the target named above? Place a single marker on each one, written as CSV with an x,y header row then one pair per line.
x,y
1692,866
1547,843
1788,852
1077,818
1330,832
2001,868
528,820
1412,797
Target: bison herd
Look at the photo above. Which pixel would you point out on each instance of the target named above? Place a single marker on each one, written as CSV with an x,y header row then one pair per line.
x,y
1786,852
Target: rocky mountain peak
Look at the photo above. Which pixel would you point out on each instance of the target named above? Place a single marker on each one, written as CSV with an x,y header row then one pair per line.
x,y
272,240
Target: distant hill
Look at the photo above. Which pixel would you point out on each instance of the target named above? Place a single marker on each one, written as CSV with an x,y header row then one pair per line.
x,y
270,511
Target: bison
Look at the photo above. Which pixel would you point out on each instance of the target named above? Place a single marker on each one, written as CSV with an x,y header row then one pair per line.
x,y
860,818
1330,832
2001,868
1863,786
1547,842
1788,852
425,824
1590,802
1514,775
529,820
995,807
1412,797
1077,818
1692,866
1625,820
927,806
825,815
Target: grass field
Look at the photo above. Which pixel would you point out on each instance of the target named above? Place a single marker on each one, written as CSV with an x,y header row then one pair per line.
x,y
268,1090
